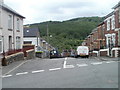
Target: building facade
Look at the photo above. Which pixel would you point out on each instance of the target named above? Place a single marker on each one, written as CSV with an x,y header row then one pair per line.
x,y
11,29
32,36
105,38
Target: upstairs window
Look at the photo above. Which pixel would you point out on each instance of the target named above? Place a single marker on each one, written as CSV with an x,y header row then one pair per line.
x,y
9,21
0,19
119,15
113,22
108,24
18,24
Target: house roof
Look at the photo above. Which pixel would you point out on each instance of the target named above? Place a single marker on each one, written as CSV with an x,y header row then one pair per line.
x,y
110,14
31,32
7,8
117,5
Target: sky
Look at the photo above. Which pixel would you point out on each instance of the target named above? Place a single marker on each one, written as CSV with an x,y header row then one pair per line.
x,y
37,11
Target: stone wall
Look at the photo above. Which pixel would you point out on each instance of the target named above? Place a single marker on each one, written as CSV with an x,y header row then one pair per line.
x,y
30,54
11,58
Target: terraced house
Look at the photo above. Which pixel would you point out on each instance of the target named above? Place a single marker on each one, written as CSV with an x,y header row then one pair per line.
x,y
104,40
11,29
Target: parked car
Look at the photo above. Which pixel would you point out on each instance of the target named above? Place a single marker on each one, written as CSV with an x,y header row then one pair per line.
x,y
54,54
82,51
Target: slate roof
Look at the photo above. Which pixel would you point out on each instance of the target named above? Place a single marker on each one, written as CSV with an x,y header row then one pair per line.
x,y
31,32
110,14
116,6
7,8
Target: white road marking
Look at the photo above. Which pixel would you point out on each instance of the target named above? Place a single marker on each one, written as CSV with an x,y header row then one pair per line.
x,y
110,61
6,76
96,63
22,73
104,59
16,67
97,58
82,65
66,58
38,71
54,69
64,64
69,66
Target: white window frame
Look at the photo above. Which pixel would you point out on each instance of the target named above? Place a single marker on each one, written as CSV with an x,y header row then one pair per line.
x,y
10,21
119,15
113,22
0,19
18,42
113,39
108,24
1,44
18,24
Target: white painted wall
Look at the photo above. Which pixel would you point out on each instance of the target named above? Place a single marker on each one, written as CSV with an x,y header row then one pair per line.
x,y
6,33
33,40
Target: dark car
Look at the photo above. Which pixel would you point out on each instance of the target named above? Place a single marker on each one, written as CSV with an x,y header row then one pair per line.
x,y
54,54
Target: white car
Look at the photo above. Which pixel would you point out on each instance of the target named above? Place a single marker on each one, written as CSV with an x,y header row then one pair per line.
x,y
82,51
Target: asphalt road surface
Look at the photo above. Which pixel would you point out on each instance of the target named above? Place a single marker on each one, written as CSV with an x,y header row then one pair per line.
x,y
63,73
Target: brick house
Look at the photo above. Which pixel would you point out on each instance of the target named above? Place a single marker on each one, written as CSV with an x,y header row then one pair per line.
x,y
106,37
112,29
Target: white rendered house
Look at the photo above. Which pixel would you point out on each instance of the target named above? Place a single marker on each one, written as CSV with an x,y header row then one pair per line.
x,y
31,36
11,29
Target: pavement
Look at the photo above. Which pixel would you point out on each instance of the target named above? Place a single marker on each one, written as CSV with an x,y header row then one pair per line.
x,y
63,73
109,58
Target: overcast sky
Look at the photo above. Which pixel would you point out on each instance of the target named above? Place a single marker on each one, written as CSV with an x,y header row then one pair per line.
x,y
37,11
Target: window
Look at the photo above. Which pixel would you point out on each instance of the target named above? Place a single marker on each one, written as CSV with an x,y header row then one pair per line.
x,y
113,22
10,42
103,28
108,24
18,43
119,37
113,39
9,21
119,15
0,19
1,44
18,24
27,42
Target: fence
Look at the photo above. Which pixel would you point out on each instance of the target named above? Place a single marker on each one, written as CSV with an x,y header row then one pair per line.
x,y
14,51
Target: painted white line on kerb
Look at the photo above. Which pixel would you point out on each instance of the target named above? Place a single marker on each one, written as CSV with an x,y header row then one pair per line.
x,y
15,67
22,73
96,63
6,76
38,71
82,65
54,69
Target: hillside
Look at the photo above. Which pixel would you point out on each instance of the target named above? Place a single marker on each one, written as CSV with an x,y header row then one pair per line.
x,y
68,34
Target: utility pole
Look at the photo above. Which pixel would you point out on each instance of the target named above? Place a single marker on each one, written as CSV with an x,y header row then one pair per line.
x,y
47,33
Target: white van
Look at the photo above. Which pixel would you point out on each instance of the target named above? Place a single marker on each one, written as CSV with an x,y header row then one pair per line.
x,y
82,51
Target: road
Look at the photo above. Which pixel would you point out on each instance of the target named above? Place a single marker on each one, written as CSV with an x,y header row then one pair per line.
x,y
63,73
